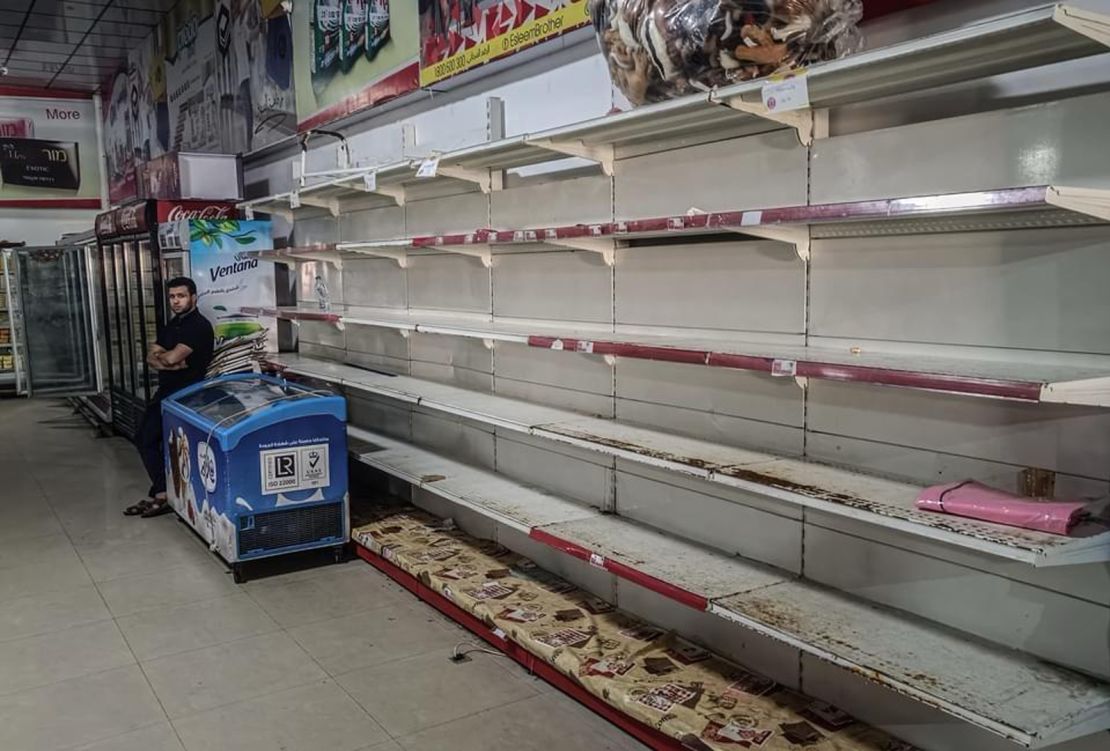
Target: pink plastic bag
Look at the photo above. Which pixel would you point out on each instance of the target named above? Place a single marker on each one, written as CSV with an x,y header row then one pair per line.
x,y
977,501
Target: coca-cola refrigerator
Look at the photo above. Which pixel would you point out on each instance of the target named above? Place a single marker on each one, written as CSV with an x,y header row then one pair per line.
x,y
132,267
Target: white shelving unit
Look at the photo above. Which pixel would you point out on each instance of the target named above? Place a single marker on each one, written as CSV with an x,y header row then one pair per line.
x,y
516,506
1004,691
796,482
1023,40
1028,382
997,689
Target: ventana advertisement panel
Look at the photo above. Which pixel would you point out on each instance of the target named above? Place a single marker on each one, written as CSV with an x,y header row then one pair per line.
x,y
352,54
458,35
228,279
48,153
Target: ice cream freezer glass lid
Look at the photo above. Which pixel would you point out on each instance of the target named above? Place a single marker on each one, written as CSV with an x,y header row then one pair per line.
x,y
230,400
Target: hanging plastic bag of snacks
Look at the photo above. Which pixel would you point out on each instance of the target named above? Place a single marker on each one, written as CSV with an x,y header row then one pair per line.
x,y
661,49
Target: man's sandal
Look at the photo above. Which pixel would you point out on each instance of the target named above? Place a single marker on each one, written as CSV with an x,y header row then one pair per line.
x,y
157,509
139,508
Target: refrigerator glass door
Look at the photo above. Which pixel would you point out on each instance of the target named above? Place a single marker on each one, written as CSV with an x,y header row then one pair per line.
x,y
117,300
128,295
148,314
11,377
58,331
136,350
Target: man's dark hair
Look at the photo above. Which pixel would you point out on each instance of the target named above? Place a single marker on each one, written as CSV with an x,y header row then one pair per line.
x,y
182,281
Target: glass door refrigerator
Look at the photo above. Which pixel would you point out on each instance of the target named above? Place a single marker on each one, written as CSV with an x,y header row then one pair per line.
x,y
11,381
133,268
97,407
54,327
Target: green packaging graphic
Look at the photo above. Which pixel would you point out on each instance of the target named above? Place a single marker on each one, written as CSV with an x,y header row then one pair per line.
x,y
232,329
377,27
327,32
354,31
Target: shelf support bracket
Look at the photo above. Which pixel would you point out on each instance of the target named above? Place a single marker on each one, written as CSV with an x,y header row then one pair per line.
x,y
394,192
483,178
335,259
397,193
272,208
480,251
798,236
808,123
1090,201
604,247
604,154
331,204
397,254
1092,25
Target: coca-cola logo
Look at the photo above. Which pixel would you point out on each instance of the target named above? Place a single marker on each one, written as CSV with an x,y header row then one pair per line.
x,y
131,218
177,213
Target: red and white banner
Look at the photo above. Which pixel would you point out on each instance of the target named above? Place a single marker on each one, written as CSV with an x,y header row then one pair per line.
x,y
458,35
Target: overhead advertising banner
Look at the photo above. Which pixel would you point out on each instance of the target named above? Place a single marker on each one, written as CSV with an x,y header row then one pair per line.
x,y
215,76
352,54
48,153
191,77
459,35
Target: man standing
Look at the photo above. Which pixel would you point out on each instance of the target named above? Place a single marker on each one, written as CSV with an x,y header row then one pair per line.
x,y
181,356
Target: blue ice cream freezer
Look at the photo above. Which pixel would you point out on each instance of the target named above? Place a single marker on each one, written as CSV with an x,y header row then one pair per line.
x,y
257,465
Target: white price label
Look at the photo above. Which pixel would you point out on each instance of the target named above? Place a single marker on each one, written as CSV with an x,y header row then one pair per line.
x,y
557,345
294,200
499,633
370,182
248,212
784,368
428,168
789,93
597,560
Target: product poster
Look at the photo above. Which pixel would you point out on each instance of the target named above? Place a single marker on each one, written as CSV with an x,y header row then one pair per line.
x,y
215,76
458,35
48,153
257,98
227,280
352,54
136,118
191,77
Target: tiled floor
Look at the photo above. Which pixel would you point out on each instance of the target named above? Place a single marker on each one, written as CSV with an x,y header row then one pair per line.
x,y
121,634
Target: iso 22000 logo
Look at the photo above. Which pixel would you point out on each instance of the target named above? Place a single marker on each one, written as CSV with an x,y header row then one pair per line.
x,y
206,462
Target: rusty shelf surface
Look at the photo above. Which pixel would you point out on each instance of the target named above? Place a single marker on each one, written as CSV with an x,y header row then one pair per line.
x,y
840,492
1028,701
1085,383
1023,699
492,495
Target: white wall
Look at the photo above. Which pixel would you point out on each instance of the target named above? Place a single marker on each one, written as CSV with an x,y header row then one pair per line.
x,y
43,226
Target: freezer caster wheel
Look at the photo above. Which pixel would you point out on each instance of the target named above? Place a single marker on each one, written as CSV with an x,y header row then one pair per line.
x,y
237,573
341,553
